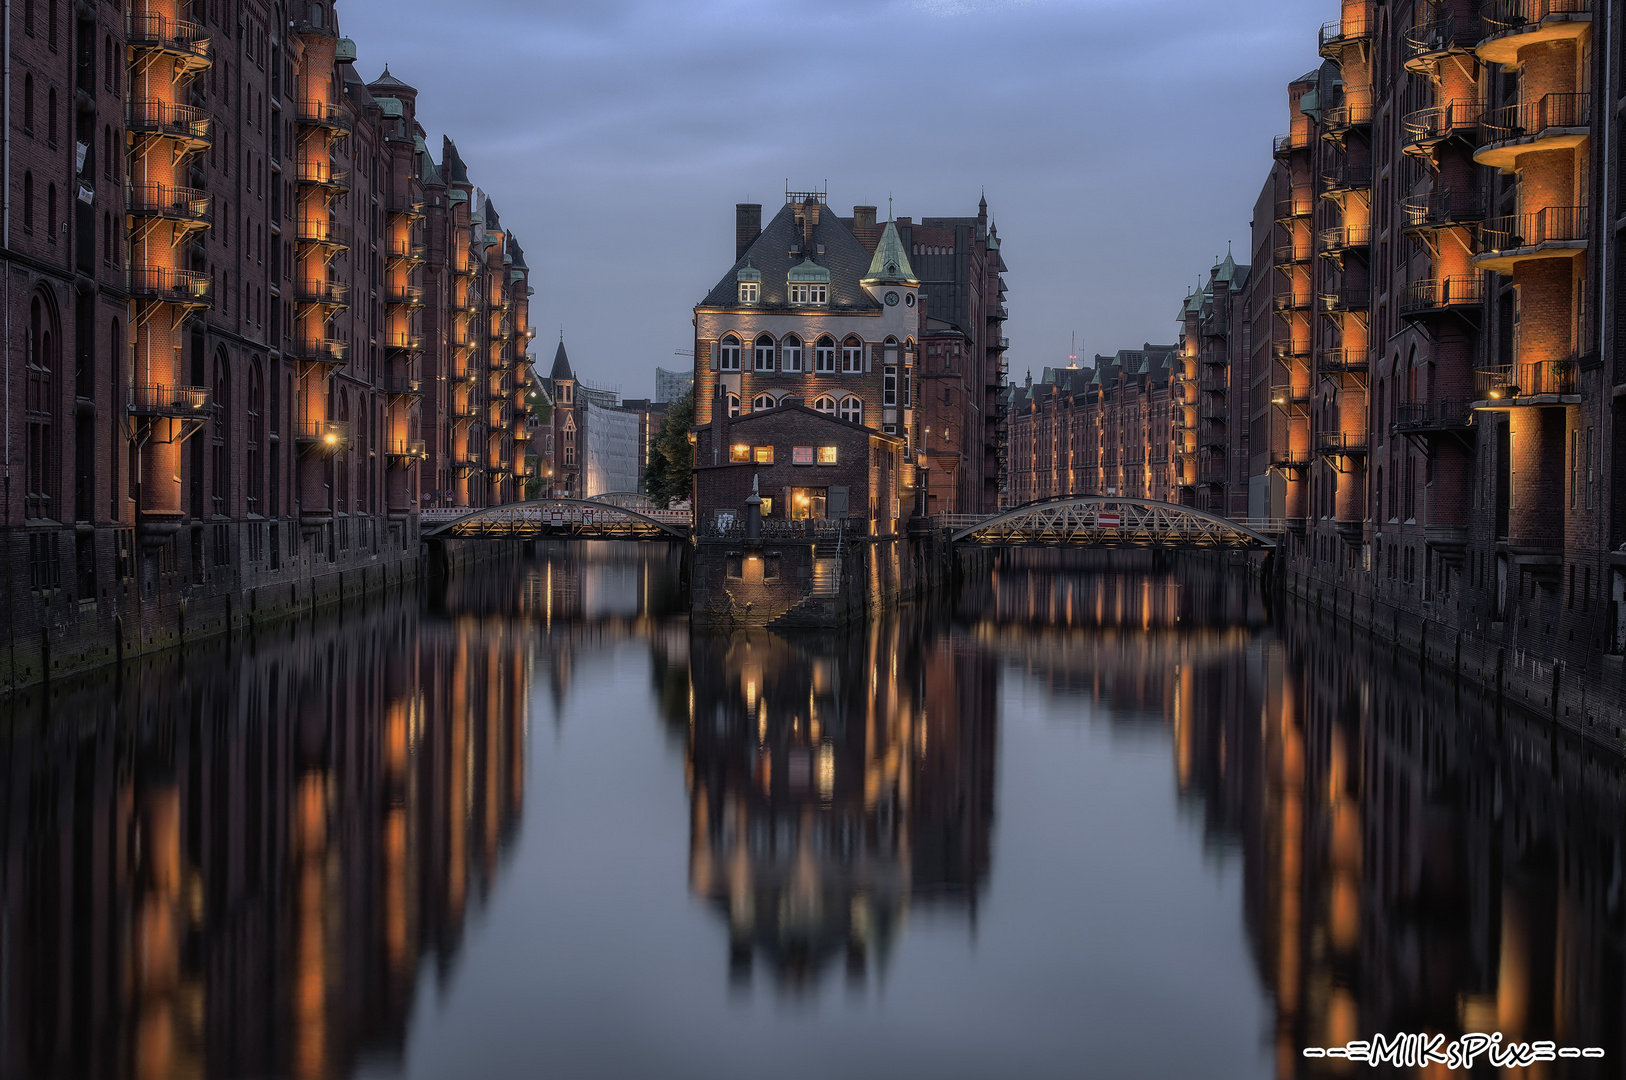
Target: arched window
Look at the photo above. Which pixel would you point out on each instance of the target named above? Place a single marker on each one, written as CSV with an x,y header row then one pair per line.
x,y
256,435
890,351
732,403
50,116
852,357
791,357
50,34
220,450
28,201
730,354
107,62
824,356
28,103
28,16
40,406
852,409
763,401
762,358
825,404
341,468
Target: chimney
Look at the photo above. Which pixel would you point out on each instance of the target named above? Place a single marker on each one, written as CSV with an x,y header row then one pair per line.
x,y
747,227
863,217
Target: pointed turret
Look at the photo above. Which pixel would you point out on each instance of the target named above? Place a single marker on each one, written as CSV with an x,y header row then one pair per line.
x,y
890,266
561,365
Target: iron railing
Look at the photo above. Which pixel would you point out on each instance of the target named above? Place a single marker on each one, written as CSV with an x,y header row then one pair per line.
x,y
1447,414
331,435
1439,294
187,123
1358,24
1334,443
168,201
321,231
1427,42
1443,208
324,114
1542,378
322,172
1424,127
324,351
1549,225
160,284
1528,120
1343,360
178,37
1503,16
1345,237
160,399
327,293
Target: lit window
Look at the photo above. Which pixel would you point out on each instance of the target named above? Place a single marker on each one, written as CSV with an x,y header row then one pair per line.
x,y
762,455
792,355
827,455
801,455
825,405
748,292
763,401
809,294
824,357
767,506
762,356
852,358
731,353
739,453
852,409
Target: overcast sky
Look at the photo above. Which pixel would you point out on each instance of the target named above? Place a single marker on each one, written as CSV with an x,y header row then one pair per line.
x,y
1121,143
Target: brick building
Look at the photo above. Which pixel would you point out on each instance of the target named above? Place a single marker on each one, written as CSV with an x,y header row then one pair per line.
x,y
216,301
1436,385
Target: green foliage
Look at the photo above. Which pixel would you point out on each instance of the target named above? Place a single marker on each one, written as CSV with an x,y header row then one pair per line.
x,y
671,459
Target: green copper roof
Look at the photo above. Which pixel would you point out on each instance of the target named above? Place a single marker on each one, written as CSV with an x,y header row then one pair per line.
x,y
748,273
890,266
345,50
808,270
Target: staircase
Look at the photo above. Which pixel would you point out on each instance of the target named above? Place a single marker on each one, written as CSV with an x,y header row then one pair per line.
x,y
826,568
816,608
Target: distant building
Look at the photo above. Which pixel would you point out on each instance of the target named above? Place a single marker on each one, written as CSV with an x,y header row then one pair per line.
x,y
672,385
612,459
593,442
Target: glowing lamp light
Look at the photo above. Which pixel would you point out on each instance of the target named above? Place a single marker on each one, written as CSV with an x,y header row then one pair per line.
x,y
330,438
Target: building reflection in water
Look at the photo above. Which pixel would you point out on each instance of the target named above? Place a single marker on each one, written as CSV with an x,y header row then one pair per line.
x,y
835,783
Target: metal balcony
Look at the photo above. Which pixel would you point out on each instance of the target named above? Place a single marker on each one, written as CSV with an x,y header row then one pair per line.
x,y
402,386
1293,300
1342,361
329,294
329,436
322,114
1511,25
406,450
1551,231
1289,459
323,351
1345,300
1421,131
1552,122
1339,120
404,251
175,402
410,295
1283,256
1342,239
186,42
404,342
1451,414
1441,295
407,204
1345,177
1442,209
189,206
1357,27
1293,207
323,173
1288,353
1339,444
161,285
191,127
1284,145
1545,382
1425,45
322,231
463,410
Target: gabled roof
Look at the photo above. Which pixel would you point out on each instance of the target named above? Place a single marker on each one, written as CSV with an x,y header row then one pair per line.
x,y
844,257
561,365
890,266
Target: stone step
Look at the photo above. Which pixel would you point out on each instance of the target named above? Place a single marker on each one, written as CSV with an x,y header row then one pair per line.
x,y
825,582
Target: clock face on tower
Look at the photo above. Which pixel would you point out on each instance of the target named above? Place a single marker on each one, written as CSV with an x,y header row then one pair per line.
x,y
891,299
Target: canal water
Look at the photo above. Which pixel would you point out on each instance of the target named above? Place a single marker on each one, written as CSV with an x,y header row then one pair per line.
x,y
1065,822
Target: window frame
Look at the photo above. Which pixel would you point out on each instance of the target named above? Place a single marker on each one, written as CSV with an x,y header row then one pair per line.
x,y
729,344
757,402
762,455
762,348
851,409
824,356
818,402
852,358
790,355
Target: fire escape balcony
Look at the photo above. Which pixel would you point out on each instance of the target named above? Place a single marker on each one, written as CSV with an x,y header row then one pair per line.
x,y
161,285
1342,240
1423,130
1289,458
331,351
187,43
1511,25
1292,300
1338,121
1345,300
328,436
322,114
407,251
408,295
322,173
1433,417
406,451
1285,145
463,410
1342,361
328,234
403,386
1552,122
1460,295
1551,232
1289,353
1294,206
1356,28
1442,208
465,461
191,128
322,292
191,208
403,342
173,402
1341,444
405,204
1544,382
1425,45
1285,255
1344,178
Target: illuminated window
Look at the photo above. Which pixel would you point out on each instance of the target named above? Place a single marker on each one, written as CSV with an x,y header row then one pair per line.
x,y
824,357
825,404
809,294
763,401
739,453
767,506
748,292
731,353
762,455
762,355
791,354
827,455
852,409
801,455
852,357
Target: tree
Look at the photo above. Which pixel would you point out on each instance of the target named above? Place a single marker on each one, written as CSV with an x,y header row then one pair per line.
x,y
671,459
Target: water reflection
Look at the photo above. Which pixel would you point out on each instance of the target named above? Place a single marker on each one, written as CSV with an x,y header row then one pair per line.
x,y
260,859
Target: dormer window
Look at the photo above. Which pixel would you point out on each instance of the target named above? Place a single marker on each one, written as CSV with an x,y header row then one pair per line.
x,y
749,279
808,283
749,291
810,294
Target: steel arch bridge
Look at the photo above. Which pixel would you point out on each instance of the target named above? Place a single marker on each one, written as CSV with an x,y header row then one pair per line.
x,y
1104,521
565,519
